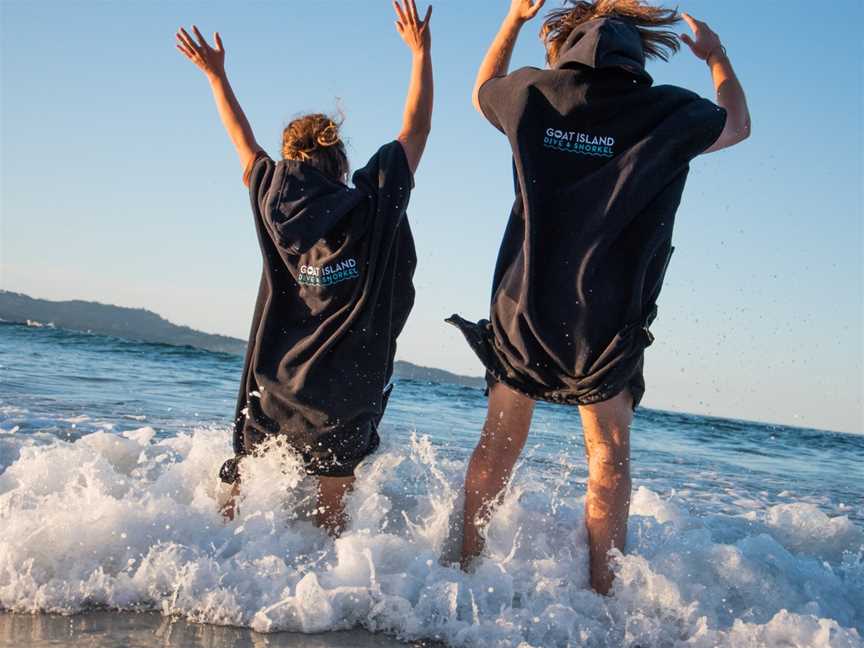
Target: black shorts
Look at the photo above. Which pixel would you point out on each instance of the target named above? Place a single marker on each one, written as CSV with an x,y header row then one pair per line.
x,y
325,453
636,385
339,454
333,453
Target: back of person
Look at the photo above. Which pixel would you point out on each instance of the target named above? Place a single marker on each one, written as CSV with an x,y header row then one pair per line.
x,y
336,284
600,158
336,291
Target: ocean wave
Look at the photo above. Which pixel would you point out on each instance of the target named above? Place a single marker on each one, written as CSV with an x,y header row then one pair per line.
x,y
37,324
130,522
120,345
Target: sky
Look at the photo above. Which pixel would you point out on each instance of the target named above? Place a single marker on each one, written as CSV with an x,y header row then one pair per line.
x,y
118,184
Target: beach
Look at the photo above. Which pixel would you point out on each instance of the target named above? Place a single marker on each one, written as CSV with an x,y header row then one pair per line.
x,y
741,533
148,629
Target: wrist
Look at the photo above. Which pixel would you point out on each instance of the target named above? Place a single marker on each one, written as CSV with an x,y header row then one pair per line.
x,y
716,55
513,22
216,76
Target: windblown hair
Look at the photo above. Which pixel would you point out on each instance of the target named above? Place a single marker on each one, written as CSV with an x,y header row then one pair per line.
x,y
315,139
657,42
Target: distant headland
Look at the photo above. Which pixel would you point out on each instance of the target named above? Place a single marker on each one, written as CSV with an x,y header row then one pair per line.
x,y
146,326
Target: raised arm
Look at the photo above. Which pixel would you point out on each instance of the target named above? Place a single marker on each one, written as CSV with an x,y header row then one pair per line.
x,y
417,119
497,59
706,45
211,61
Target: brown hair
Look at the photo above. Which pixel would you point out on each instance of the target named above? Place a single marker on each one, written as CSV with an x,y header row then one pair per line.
x,y
657,43
315,139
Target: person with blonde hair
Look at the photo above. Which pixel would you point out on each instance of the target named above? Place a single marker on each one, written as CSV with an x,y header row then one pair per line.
x,y
336,286
600,158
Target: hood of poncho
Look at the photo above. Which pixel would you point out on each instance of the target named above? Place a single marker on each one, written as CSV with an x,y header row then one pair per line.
x,y
605,43
309,207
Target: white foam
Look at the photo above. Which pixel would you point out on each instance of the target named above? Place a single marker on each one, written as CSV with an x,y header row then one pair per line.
x,y
81,418
37,324
131,522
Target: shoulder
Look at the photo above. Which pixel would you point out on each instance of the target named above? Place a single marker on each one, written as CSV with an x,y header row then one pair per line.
x,y
674,99
393,152
696,102
528,72
260,166
502,99
679,97
387,163
521,77
692,121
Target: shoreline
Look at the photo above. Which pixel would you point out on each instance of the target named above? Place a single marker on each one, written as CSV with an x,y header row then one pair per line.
x,y
107,628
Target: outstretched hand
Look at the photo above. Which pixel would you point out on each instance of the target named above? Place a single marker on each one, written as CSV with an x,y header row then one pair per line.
x,y
210,60
525,10
414,32
704,41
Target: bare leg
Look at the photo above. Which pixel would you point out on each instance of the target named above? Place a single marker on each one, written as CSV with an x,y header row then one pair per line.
x,y
607,504
229,508
503,437
330,514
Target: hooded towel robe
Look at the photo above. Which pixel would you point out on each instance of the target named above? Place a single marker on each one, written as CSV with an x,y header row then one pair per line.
x,y
335,292
600,159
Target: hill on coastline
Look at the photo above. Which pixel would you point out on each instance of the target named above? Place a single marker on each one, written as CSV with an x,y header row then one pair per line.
x,y
131,323
146,326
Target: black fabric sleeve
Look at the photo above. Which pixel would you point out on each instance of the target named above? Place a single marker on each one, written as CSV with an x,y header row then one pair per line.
x,y
707,122
247,172
260,175
387,178
499,98
491,96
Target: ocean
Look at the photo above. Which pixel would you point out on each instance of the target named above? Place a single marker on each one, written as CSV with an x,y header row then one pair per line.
x,y
742,534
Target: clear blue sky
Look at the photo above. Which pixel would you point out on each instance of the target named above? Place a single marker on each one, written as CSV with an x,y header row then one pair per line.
x,y
119,185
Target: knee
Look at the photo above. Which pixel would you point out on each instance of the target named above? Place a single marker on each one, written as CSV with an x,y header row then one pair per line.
x,y
502,438
494,457
609,481
492,453
608,457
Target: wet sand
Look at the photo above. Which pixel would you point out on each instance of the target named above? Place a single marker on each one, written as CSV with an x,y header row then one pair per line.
x,y
150,629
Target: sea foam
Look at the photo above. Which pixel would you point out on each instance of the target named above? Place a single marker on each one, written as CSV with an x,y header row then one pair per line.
x,y
130,522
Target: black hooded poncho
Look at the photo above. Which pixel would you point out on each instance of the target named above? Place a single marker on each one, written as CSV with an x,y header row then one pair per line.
x,y
600,159
335,291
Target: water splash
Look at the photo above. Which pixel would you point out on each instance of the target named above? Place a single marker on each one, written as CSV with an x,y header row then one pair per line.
x,y
130,522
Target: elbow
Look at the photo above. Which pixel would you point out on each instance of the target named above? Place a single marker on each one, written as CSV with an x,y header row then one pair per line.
x,y
475,100
743,131
416,133
421,131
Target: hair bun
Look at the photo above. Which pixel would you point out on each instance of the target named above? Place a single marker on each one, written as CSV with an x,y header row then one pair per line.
x,y
315,139
329,135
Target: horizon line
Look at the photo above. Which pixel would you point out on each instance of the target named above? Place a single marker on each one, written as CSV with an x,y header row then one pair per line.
x,y
203,350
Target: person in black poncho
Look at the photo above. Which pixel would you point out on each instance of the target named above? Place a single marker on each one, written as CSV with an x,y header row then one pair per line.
x,y
600,159
336,285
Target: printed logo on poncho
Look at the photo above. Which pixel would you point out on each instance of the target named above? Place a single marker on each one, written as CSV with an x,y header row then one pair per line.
x,y
580,143
328,275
